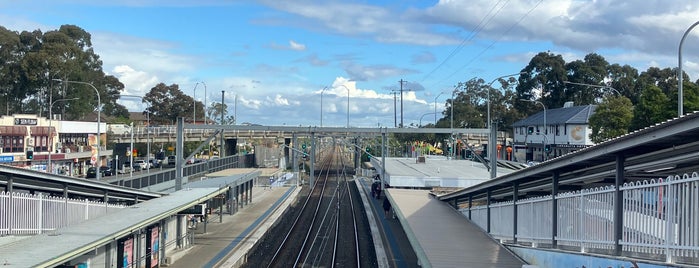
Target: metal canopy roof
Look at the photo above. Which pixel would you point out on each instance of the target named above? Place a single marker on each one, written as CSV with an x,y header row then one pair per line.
x,y
658,151
31,180
53,248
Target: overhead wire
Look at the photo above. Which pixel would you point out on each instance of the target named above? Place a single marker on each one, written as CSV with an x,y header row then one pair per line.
x,y
492,43
474,32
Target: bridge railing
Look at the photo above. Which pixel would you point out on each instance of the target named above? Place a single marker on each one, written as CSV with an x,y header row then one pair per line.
x,y
660,219
29,214
213,165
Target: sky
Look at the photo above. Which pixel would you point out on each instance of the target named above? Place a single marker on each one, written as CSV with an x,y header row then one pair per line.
x,y
307,62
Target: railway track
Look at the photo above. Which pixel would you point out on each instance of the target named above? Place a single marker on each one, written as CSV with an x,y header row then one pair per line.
x,y
328,228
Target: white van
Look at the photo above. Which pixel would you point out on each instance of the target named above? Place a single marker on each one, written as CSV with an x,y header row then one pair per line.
x,y
119,129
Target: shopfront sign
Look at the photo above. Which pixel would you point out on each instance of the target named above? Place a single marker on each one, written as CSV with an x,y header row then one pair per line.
x,y
25,121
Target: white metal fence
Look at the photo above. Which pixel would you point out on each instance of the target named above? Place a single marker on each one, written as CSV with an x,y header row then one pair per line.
x,y
660,219
27,214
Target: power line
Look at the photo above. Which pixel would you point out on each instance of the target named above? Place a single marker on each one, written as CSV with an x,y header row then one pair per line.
x,y
474,32
492,43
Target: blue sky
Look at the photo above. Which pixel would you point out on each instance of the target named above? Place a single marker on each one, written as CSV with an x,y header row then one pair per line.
x,y
273,58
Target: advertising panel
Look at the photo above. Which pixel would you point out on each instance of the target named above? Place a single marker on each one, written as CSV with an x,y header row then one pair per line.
x,y
154,246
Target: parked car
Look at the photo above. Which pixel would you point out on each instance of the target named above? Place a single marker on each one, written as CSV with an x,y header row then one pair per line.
x,y
141,164
106,171
92,172
154,163
170,160
126,168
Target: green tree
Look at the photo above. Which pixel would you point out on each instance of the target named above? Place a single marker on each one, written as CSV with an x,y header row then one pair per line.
x,y
10,56
623,79
653,107
214,113
543,80
611,119
168,103
469,105
502,101
592,70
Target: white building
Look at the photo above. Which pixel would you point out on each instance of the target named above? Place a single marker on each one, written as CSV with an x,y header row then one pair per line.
x,y
566,130
70,144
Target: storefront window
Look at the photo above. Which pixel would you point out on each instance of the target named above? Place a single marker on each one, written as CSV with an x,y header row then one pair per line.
x,y
12,144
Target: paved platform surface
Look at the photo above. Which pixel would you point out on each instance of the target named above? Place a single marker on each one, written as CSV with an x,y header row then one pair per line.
x,y
394,242
223,244
442,237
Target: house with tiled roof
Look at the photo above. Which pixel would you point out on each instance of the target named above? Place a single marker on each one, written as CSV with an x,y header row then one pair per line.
x,y
552,132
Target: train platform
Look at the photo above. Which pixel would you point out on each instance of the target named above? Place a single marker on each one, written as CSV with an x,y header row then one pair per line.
x,y
393,248
224,241
442,237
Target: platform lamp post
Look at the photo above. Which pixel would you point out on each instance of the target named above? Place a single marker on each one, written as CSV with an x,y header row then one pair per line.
x,y
420,125
348,104
435,107
194,104
545,130
204,108
451,122
147,130
680,99
99,122
492,138
50,141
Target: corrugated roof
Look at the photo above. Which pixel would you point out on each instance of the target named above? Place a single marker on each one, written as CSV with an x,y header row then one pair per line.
x,y
560,116
53,248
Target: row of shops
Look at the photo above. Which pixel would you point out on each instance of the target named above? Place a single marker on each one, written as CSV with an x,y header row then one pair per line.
x,y
57,146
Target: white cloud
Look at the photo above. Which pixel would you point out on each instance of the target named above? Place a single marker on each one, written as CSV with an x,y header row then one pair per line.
x,y
296,46
140,53
249,103
382,24
281,101
135,82
293,45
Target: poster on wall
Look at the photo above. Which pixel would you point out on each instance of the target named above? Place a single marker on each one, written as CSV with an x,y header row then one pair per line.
x,y
127,259
154,246
92,142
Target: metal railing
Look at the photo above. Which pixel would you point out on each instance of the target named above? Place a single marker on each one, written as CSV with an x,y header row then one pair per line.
x,y
29,214
154,177
660,219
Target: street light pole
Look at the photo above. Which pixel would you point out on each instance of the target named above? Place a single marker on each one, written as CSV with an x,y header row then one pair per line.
x,y
420,125
321,105
131,153
194,104
205,116
545,130
680,99
492,138
99,122
451,123
590,85
147,130
435,107
50,141
491,84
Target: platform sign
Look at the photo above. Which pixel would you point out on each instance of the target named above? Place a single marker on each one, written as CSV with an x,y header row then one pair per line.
x,y
7,158
195,210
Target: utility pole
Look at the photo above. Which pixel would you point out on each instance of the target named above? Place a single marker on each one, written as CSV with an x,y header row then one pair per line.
x,y
401,101
395,111
222,148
